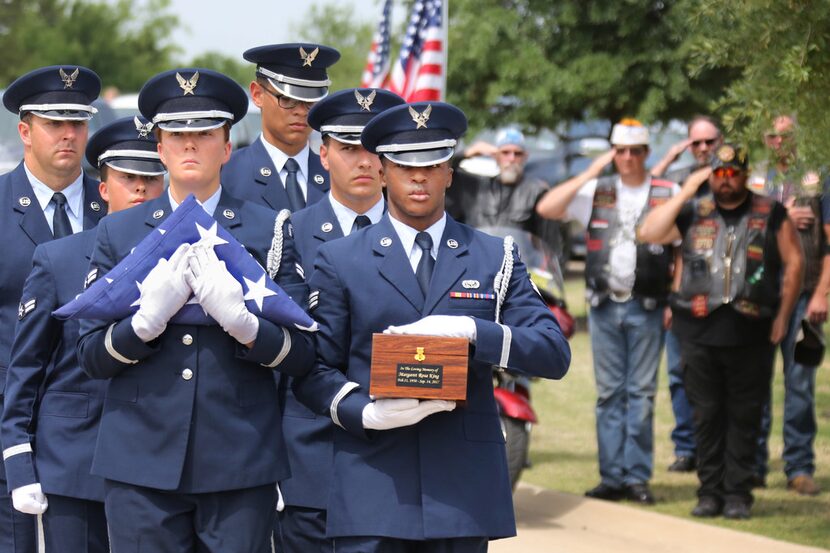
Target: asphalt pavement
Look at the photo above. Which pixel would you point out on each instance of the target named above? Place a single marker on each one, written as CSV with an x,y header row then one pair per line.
x,y
553,522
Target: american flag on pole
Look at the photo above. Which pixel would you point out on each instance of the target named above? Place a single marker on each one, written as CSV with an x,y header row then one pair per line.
x,y
419,73
378,61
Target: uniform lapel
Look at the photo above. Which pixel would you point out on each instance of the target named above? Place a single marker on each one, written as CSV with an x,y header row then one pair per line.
x,y
158,210
228,211
25,203
94,205
449,265
318,179
393,263
273,190
324,217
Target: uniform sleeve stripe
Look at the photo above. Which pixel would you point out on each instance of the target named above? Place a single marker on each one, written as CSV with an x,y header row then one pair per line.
x,y
16,450
111,350
335,403
286,347
507,338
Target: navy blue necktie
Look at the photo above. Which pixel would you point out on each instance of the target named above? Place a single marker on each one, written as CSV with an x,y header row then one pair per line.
x,y
361,221
424,270
292,185
60,220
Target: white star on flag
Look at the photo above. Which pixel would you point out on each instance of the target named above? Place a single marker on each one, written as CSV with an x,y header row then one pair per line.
x,y
209,237
137,302
257,291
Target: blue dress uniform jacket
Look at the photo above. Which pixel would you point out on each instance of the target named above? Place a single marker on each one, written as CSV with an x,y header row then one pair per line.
x,y
23,226
446,476
50,403
250,175
193,411
308,437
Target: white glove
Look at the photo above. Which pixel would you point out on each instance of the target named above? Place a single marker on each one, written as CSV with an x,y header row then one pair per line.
x,y
451,326
280,500
29,499
384,414
220,294
163,292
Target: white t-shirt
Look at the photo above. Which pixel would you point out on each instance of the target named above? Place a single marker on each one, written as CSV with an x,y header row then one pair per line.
x,y
631,200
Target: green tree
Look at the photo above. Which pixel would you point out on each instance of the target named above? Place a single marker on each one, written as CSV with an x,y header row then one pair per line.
x,y
780,48
238,69
540,63
335,25
125,42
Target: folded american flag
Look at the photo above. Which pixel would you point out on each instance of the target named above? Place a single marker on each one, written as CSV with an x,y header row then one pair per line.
x,y
115,296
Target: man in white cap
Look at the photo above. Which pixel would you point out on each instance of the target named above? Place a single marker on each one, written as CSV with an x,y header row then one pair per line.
x,y
627,286
506,199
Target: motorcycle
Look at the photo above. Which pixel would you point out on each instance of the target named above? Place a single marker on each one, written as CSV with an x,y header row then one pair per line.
x,y
512,391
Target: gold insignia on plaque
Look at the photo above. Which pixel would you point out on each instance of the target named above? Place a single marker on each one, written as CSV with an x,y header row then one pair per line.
x,y
69,80
726,153
419,354
365,102
188,85
308,58
420,119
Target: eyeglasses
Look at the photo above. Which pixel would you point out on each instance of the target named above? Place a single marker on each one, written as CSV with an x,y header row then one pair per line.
x,y
707,141
727,172
633,150
285,102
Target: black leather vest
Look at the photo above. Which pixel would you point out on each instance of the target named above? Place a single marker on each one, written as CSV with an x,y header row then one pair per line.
x,y
654,262
729,264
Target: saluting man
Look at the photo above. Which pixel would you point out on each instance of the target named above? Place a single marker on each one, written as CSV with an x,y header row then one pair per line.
x,y
47,196
190,443
421,475
51,412
279,169
355,201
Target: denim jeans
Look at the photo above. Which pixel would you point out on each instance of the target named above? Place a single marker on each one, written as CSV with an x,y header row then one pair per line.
x,y
799,407
683,434
626,340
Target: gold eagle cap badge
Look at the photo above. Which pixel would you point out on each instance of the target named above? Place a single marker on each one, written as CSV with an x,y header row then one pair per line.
x,y
143,130
307,58
365,102
69,80
188,85
420,119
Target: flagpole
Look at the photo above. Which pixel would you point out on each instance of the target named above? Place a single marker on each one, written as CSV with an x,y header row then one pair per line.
x,y
445,17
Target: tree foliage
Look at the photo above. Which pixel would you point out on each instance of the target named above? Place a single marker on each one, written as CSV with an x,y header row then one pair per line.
x,y
236,68
125,42
335,25
780,49
541,63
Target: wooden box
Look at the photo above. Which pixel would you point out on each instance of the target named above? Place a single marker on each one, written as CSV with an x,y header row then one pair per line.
x,y
422,367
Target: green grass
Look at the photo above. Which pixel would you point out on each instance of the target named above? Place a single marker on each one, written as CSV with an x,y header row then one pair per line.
x,y
563,449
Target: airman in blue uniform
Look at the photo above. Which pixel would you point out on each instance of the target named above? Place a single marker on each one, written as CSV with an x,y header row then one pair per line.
x,y
354,202
190,440
47,196
279,170
51,411
416,475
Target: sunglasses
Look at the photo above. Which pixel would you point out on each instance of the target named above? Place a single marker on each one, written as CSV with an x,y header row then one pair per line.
x,y
727,172
633,150
707,141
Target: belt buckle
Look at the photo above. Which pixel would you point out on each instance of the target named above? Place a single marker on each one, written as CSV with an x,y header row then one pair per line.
x,y
620,297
